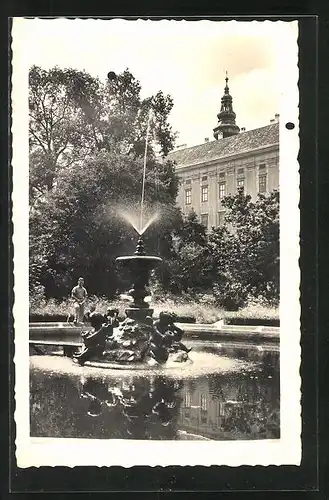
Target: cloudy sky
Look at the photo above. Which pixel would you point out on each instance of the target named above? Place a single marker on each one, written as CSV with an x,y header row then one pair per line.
x,y
185,59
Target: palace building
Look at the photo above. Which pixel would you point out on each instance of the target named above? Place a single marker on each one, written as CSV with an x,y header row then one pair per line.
x,y
234,159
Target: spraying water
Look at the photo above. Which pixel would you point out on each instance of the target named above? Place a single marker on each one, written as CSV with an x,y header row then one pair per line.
x,y
144,168
131,219
133,222
140,226
154,218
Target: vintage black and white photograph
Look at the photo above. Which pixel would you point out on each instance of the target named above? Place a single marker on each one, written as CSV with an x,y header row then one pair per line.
x,y
156,242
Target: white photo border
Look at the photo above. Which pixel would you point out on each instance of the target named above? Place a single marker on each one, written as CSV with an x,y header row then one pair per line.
x,y
82,452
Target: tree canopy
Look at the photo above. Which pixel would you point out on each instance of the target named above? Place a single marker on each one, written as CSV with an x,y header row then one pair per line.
x,y
74,116
237,261
87,143
246,250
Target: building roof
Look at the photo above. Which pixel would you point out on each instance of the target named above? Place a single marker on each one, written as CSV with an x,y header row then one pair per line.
x,y
236,144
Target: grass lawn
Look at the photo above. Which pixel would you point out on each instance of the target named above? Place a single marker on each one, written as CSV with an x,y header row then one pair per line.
x,y
201,311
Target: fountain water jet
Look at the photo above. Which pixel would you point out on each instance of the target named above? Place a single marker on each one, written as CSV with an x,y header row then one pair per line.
x,y
147,225
127,217
144,166
132,221
141,228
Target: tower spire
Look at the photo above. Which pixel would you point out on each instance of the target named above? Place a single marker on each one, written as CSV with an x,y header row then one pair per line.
x,y
226,117
226,89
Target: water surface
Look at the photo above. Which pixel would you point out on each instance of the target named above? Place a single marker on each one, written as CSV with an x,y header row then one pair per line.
x,y
227,393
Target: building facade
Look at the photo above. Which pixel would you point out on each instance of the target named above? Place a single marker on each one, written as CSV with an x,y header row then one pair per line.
x,y
235,159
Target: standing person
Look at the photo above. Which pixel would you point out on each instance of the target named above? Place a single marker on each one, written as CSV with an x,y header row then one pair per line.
x,y
79,295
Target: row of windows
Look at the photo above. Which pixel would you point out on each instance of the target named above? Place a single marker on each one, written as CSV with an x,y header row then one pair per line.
x,y
262,186
240,171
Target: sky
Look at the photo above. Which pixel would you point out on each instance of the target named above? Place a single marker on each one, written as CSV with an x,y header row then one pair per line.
x,y
186,59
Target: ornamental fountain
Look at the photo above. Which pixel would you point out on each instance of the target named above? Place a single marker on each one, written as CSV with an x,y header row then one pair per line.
x,y
138,339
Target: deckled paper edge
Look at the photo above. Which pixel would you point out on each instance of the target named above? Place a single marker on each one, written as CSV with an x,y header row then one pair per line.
x,y
127,453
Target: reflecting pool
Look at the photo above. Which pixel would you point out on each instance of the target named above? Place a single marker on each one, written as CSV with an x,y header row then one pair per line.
x,y
226,393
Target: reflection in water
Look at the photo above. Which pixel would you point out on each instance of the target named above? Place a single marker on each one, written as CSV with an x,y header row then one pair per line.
x,y
137,408
242,407
235,405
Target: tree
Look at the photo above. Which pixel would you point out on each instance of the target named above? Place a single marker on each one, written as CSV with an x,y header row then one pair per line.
x,y
59,131
188,265
74,116
79,130
246,250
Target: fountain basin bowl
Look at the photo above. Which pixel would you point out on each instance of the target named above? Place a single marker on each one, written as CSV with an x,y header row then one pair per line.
x,y
138,263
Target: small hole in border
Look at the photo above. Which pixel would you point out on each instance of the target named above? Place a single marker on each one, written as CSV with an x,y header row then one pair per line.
x,y
290,126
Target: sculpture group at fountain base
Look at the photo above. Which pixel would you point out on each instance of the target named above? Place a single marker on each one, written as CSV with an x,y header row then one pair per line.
x,y
136,341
